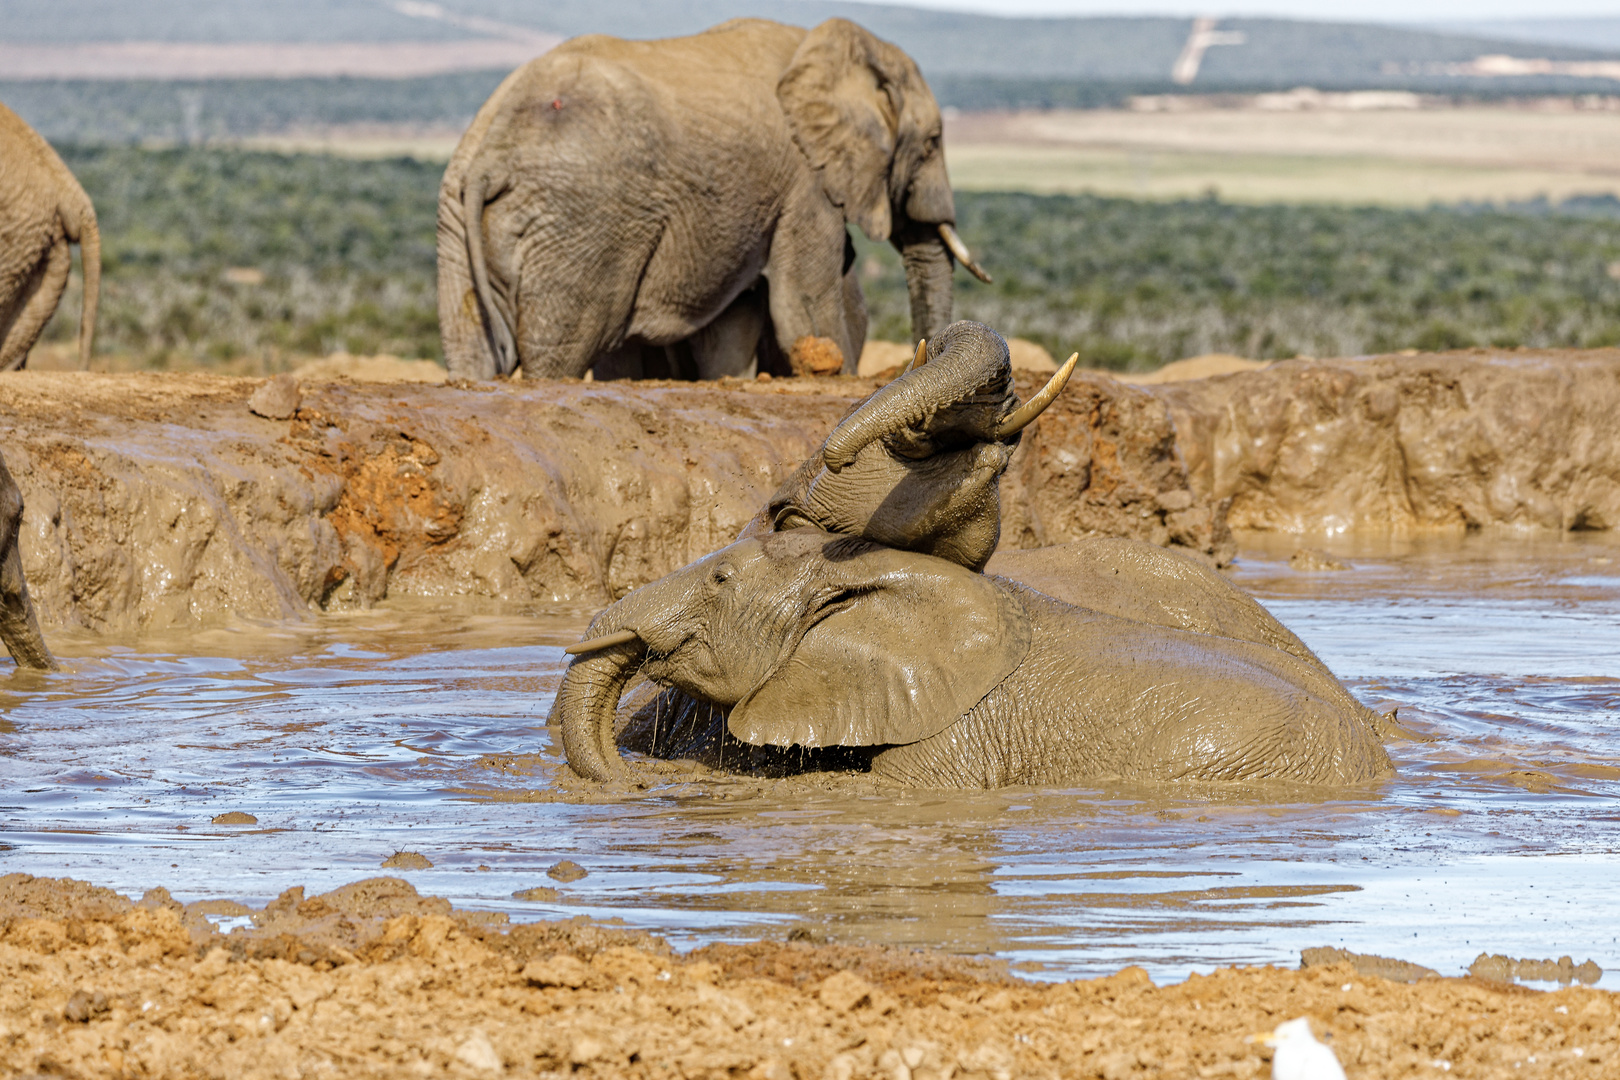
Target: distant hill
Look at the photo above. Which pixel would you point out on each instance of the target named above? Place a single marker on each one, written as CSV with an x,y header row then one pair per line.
x,y
1601,33
1273,52
183,70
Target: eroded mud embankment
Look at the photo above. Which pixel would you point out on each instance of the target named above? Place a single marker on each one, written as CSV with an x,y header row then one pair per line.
x,y
160,500
373,979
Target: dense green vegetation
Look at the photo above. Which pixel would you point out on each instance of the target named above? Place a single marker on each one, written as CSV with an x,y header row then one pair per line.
x,y
192,111
1132,284
346,250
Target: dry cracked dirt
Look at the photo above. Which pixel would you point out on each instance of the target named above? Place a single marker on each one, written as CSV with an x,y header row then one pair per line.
x,y
374,980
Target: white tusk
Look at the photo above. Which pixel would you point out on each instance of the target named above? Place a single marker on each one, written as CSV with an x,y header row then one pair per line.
x,y
959,249
606,641
1029,410
920,359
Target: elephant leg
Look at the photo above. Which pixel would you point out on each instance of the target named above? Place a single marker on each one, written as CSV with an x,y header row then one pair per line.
x,y
810,286
19,627
41,293
729,345
625,362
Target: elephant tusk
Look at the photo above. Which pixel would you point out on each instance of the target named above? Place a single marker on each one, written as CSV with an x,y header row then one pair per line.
x,y
606,641
947,233
920,359
1036,405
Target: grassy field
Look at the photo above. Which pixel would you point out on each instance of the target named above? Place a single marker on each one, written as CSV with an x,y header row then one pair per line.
x,y
1385,157
212,255
227,256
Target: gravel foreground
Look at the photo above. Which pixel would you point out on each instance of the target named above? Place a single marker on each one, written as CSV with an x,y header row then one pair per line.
x,y
374,980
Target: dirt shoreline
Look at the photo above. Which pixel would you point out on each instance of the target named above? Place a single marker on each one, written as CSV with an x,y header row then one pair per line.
x,y
374,980
160,500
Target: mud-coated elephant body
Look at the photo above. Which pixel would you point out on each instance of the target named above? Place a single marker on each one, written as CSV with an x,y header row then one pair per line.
x,y
852,613
43,210
19,626
950,678
688,199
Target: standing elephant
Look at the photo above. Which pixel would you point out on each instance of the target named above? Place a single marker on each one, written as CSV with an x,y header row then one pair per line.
x,y
687,202
19,627
42,211
944,677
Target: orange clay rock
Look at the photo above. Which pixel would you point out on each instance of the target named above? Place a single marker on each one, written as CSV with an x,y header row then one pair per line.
x,y
374,980
816,356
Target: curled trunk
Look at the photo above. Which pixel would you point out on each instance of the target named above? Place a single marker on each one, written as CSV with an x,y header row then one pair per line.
x,y
968,372
586,704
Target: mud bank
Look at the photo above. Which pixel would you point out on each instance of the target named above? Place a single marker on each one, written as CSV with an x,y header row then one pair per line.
x,y
1396,443
161,500
375,980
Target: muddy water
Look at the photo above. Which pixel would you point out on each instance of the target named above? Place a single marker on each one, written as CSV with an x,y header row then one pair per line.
x,y
422,729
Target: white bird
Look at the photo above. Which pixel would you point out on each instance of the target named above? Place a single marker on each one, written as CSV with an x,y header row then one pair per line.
x,y
1297,1055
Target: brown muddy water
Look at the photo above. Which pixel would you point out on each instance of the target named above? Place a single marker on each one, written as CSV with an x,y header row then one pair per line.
x,y
422,729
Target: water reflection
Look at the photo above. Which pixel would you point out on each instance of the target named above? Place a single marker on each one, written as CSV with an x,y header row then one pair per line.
x,y
422,729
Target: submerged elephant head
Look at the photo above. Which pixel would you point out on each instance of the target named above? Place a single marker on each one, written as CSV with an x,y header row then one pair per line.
x,y
762,625
917,465
19,628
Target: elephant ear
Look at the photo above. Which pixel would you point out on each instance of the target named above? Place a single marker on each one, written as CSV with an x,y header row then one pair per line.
x,y
841,95
895,660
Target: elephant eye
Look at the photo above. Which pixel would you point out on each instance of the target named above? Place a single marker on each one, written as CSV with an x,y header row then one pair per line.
x,y
721,575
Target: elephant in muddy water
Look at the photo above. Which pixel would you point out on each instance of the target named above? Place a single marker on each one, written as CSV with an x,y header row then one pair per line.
x,y
685,203
933,675
43,210
19,626
849,620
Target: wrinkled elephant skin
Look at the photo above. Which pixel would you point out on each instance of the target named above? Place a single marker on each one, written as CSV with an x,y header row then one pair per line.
x,y
19,626
950,678
917,465
43,211
681,207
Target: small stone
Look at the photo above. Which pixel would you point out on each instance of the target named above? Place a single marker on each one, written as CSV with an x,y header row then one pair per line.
x,y
560,970
844,991
1173,501
542,894
1311,560
407,860
235,817
477,1052
84,1005
277,399
566,871
816,356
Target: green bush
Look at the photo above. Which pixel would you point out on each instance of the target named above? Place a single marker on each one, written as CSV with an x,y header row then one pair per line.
x,y
346,250
1135,284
